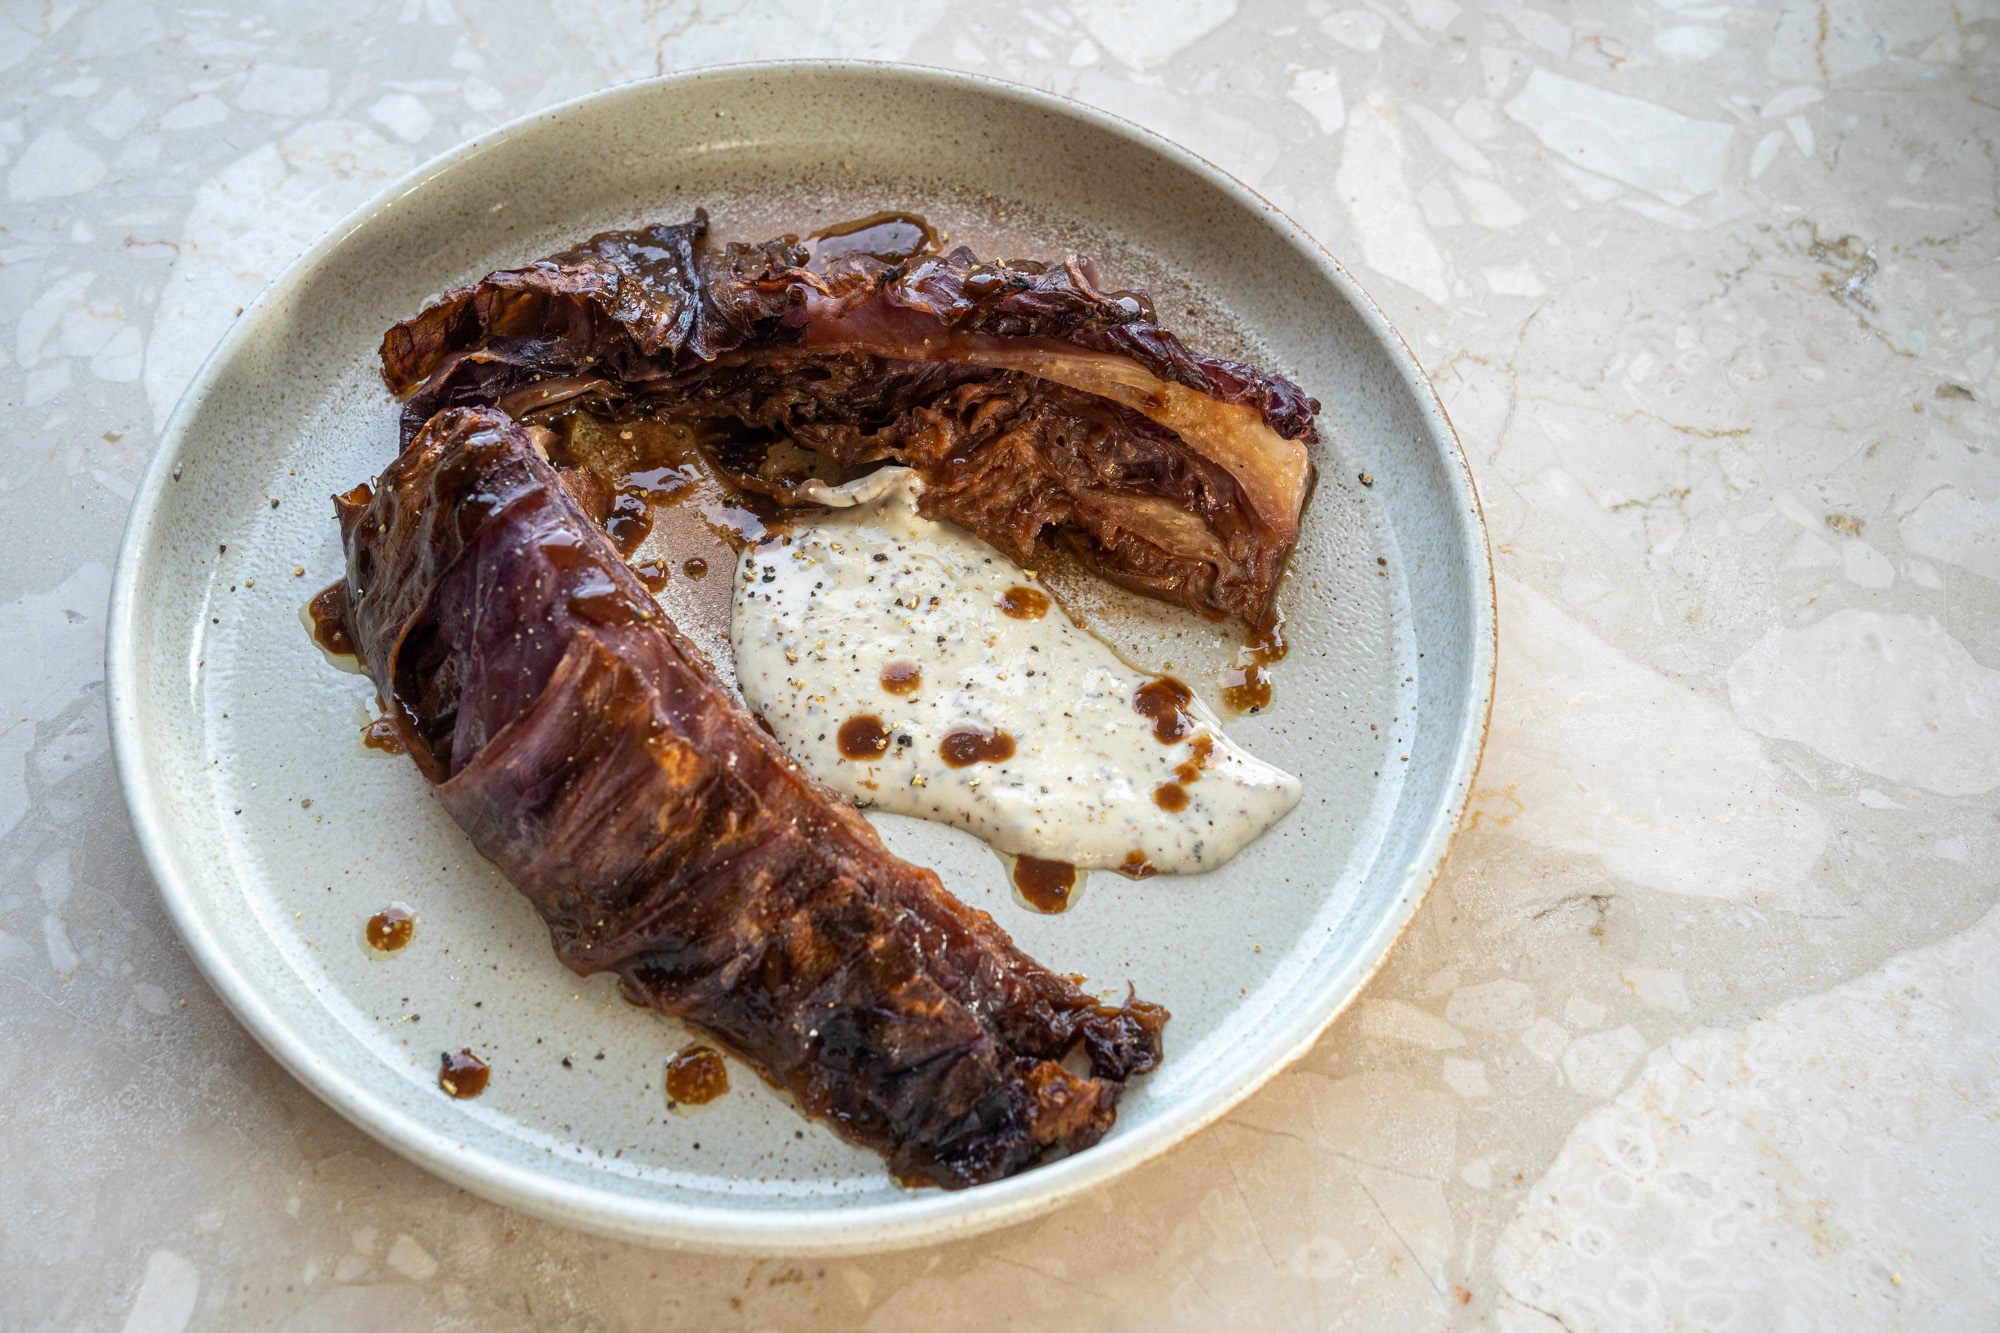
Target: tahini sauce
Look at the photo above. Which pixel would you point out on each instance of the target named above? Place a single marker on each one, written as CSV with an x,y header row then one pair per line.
x,y
1002,716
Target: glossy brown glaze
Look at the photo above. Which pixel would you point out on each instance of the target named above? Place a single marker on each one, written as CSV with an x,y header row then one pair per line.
x,y
390,929
963,748
885,236
381,735
630,519
1171,797
696,1075
462,1075
863,737
902,678
656,489
329,620
1165,701
1046,885
1246,685
1136,866
1024,603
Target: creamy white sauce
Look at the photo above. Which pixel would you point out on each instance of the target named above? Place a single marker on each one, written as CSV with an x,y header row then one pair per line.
x,y
874,584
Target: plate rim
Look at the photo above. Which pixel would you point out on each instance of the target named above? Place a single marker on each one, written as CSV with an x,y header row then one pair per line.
x,y
930,1217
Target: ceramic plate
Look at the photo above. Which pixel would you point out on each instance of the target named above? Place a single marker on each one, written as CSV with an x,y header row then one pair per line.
x,y
274,834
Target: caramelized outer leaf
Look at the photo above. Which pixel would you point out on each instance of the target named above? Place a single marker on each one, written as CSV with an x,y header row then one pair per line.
x,y
590,752
655,321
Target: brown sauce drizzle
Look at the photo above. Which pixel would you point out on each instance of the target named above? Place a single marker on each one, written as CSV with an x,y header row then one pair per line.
x,y
462,1075
1246,686
901,677
694,567
885,236
1165,701
630,519
390,929
1200,753
1024,603
972,746
381,735
1172,797
863,737
329,620
1137,866
696,1075
1046,885
645,464
654,574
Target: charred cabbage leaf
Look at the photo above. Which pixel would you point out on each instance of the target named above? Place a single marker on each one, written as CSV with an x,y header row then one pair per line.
x,y
592,754
1036,404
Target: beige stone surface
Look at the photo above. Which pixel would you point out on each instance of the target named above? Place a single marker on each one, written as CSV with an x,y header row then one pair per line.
x,y
1698,1030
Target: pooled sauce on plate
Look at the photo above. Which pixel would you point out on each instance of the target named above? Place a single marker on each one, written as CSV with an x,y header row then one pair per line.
x,y
381,735
1028,733
672,511
329,619
696,1075
1046,885
391,928
889,236
462,1075
1246,686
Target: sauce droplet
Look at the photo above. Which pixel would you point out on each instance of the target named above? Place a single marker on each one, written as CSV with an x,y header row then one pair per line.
x,y
1024,603
462,1075
329,619
902,677
391,928
654,574
1136,866
381,735
863,737
1046,885
1246,686
1165,701
697,1075
630,519
694,567
885,236
1170,797
1200,754
972,746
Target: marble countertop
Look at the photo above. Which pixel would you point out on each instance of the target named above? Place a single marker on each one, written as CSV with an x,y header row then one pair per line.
x,y
1690,1034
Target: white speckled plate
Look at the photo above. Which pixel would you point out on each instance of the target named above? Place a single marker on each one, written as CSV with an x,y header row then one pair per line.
x,y
274,834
